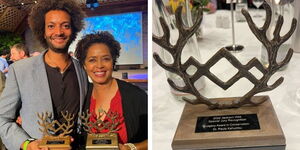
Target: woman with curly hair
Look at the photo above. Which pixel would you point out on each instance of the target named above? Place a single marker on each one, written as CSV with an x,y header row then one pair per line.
x,y
98,54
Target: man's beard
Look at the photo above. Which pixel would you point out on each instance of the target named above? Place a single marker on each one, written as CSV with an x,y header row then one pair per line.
x,y
59,50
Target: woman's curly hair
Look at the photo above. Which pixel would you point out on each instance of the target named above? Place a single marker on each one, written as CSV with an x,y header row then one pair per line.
x,y
36,18
103,37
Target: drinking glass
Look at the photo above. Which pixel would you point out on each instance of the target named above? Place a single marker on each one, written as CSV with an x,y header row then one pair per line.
x,y
257,4
163,9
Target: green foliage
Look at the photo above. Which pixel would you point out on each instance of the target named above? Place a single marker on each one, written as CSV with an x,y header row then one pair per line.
x,y
9,39
200,4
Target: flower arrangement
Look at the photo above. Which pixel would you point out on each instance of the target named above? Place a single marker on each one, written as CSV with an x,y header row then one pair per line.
x,y
196,4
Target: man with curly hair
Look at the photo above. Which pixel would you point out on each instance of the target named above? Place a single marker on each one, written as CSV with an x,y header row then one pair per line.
x,y
51,82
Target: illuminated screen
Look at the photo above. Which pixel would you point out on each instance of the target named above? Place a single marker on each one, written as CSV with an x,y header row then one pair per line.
x,y
126,28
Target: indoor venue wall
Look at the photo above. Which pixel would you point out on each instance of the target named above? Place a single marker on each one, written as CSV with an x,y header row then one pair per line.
x,y
31,42
34,45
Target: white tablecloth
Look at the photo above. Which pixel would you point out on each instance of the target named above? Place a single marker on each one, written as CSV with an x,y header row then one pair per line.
x,y
167,110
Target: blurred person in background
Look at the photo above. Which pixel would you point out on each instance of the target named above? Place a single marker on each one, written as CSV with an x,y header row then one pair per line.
x,y
18,51
4,69
3,62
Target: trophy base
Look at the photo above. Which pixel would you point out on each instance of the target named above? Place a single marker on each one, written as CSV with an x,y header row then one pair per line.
x,y
102,141
244,128
56,142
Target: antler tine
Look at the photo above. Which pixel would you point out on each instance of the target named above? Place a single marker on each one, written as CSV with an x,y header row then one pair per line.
x,y
69,124
271,87
260,33
68,131
280,40
287,58
268,17
68,116
165,43
41,116
180,25
272,46
168,67
290,32
186,32
173,85
86,124
278,27
114,125
43,122
251,24
47,114
84,119
164,40
276,83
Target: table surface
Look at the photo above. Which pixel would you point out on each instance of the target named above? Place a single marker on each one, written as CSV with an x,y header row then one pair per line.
x,y
167,109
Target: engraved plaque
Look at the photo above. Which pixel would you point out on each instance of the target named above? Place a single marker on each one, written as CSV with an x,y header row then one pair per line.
x,y
55,142
227,123
103,141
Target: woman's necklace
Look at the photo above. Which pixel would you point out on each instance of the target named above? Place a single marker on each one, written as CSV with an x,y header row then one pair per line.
x,y
104,101
53,62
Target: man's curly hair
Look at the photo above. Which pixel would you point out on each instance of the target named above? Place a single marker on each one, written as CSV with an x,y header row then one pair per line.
x,y
103,37
36,18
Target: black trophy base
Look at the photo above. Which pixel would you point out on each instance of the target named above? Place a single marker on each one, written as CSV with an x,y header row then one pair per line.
x,y
244,128
102,141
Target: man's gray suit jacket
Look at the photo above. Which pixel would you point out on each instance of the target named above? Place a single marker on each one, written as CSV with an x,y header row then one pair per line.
x,y
27,90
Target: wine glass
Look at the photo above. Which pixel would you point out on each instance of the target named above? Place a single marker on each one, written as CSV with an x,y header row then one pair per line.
x,y
257,4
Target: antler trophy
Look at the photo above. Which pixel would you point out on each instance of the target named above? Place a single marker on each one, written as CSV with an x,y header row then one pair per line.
x,y
96,139
226,128
50,130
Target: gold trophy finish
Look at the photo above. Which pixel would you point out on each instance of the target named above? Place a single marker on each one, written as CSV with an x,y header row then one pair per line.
x,y
49,130
103,141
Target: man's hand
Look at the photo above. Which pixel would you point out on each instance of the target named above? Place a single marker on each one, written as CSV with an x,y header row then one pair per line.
x,y
19,121
5,70
34,145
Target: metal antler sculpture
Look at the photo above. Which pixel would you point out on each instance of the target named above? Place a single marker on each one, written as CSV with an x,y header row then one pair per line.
x,y
260,85
49,126
111,125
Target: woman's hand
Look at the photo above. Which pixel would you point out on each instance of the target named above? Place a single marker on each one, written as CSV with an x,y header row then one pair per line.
x,y
124,147
139,146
